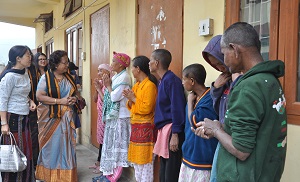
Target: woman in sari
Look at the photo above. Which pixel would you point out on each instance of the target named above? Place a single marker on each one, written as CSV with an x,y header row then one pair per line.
x,y
58,94
117,119
15,106
141,103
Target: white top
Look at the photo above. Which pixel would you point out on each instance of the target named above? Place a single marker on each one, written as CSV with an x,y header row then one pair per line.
x,y
116,94
14,91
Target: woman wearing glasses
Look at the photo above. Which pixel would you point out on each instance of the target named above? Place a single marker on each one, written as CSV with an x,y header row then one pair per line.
x,y
58,94
41,63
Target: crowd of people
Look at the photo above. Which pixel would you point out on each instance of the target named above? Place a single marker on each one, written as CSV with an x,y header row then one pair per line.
x,y
234,130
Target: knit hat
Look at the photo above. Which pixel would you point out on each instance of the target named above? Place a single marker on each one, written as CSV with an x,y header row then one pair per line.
x,y
122,58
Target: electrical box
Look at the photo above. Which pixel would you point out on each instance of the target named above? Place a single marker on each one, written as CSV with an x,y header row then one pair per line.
x,y
206,27
83,56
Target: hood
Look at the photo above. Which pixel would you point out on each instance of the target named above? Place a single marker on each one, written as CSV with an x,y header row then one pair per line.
x,y
275,68
214,48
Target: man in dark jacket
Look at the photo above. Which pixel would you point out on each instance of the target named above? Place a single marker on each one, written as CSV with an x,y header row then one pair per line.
x,y
253,138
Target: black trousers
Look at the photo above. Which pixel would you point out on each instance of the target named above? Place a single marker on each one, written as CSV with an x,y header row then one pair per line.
x,y
34,136
169,168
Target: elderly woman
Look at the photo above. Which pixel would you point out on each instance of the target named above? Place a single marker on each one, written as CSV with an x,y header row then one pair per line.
x,y
117,119
15,106
58,94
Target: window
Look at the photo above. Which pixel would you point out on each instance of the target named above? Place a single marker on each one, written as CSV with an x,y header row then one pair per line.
x,y
47,18
278,25
49,47
257,13
71,6
74,38
49,22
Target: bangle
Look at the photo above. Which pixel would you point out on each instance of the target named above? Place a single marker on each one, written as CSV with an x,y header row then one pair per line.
x,y
3,123
55,101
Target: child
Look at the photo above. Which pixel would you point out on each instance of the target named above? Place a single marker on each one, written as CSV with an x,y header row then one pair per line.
x,y
117,119
98,98
197,152
141,103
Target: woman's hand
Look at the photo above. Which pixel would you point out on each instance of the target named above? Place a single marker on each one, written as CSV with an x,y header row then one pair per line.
x,y
98,84
32,105
106,80
5,129
71,100
129,94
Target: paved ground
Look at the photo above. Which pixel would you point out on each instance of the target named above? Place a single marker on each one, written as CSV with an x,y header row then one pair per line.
x,y
87,157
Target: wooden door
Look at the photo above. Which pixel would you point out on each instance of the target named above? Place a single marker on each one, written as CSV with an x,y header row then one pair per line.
x,y
289,51
99,55
160,26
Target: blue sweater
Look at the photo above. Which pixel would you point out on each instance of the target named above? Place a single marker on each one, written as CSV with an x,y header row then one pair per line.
x,y
197,152
170,103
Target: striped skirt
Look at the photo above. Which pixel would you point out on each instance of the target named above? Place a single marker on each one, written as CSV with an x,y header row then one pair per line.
x,y
19,127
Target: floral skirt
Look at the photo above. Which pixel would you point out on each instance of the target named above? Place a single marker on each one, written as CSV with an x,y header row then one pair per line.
x,y
115,145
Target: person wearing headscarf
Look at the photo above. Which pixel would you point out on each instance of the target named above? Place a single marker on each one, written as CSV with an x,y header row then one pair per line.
x,y
98,98
58,94
141,104
15,106
117,119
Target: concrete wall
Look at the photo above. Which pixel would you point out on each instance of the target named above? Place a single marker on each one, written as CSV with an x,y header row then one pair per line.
x,y
193,44
123,39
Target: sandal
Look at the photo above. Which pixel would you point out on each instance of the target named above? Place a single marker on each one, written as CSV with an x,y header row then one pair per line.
x,y
97,170
95,166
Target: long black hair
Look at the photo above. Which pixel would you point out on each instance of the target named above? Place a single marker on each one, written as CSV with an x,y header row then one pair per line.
x,y
14,52
36,60
143,63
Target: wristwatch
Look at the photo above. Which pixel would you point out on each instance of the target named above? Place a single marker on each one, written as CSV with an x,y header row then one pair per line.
x,y
3,123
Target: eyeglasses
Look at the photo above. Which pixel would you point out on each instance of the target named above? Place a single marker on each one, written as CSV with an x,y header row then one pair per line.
x,y
65,63
42,59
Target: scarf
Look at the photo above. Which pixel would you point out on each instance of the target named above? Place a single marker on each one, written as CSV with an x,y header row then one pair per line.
x,y
110,110
21,72
54,92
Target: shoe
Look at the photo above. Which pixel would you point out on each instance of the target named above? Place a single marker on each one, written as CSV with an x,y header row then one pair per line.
x,y
95,166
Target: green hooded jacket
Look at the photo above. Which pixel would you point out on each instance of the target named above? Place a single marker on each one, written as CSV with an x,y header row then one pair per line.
x,y
256,120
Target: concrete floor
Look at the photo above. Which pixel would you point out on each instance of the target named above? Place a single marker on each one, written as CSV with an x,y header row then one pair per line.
x,y
87,157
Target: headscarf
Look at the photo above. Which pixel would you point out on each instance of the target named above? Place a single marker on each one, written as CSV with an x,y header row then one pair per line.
x,y
105,66
122,58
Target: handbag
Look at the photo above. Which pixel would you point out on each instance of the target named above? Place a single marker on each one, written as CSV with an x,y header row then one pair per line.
x,y
12,158
81,103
